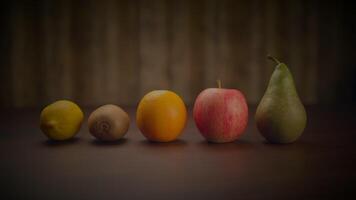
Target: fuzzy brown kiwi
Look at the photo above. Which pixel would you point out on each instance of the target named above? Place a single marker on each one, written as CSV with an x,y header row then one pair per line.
x,y
108,123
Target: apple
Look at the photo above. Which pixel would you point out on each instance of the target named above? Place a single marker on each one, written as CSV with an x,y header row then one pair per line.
x,y
221,115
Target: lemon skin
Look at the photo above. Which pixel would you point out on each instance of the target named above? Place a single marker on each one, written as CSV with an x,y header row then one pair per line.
x,y
61,120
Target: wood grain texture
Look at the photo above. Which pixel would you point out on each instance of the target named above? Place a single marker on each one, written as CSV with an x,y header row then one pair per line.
x,y
6,89
180,55
154,46
210,42
317,166
81,37
97,52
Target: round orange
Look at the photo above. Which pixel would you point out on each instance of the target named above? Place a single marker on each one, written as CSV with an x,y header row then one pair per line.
x,y
161,116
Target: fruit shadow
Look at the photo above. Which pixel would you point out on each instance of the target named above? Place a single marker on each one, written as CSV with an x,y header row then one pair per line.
x,y
100,143
267,143
239,145
173,144
54,143
293,145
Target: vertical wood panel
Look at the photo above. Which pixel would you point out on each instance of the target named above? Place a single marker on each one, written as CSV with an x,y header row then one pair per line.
x,y
348,57
270,27
198,44
6,12
296,46
205,24
97,52
153,45
50,63
128,53
284,28
25,55
239,45
18,56
330,50
57,59
256,58
64,49
81,38
179,52
310,74
111,37
224,58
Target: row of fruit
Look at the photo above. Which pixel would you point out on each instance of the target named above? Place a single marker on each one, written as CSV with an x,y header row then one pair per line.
x,y
221,115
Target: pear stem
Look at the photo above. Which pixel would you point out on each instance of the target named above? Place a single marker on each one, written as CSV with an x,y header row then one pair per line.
x,y
219,83
273,59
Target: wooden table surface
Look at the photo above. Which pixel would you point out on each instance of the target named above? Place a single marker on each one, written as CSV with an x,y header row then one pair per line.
x,y
321,165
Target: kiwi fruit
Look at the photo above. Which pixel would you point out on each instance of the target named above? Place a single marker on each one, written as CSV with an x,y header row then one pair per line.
x,y
108,123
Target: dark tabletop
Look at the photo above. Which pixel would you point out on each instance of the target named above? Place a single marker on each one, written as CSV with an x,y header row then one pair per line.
x,y
320,165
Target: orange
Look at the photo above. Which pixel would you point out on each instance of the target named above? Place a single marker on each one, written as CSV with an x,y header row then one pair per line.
x,y
161,116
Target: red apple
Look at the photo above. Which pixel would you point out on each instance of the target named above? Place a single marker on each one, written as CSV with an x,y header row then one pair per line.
x,y
221,115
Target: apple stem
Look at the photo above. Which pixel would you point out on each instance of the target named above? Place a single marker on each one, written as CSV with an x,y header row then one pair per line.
x,y
219,83
273,59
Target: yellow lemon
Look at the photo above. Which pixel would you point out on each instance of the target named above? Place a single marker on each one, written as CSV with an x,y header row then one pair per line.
x,y
161,116
61,120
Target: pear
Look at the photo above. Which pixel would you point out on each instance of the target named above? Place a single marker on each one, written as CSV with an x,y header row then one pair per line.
x,y
281,116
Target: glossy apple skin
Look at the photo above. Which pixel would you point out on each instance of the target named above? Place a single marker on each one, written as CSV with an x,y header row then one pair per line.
x,y
221,115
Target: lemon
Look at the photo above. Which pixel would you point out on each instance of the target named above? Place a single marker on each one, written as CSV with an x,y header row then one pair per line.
x,y
61,120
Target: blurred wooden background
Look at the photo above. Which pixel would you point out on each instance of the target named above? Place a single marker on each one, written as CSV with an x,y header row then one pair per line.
x,y
97,52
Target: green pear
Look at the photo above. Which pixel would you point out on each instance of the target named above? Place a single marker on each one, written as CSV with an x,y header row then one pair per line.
x,y
280,116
